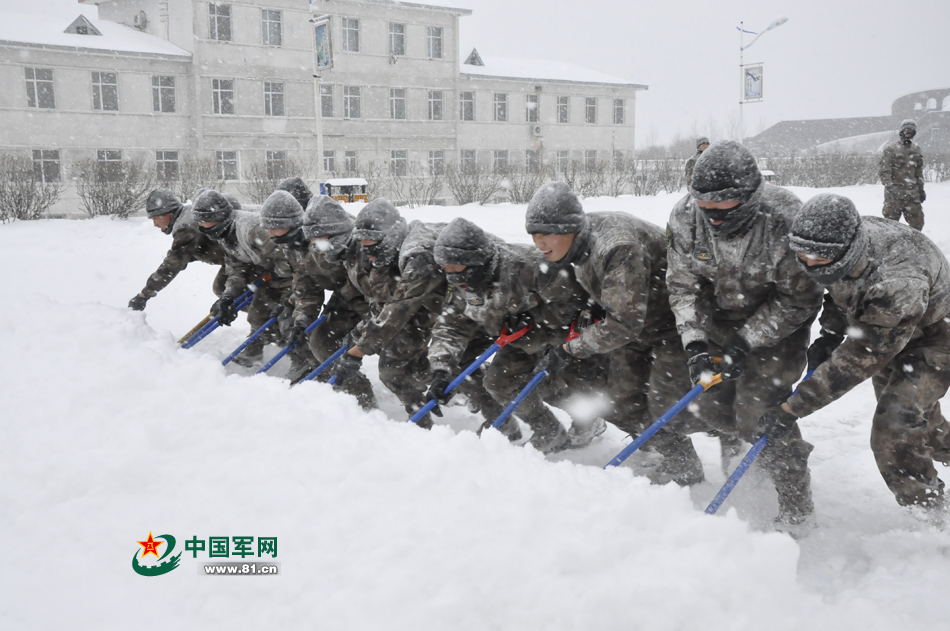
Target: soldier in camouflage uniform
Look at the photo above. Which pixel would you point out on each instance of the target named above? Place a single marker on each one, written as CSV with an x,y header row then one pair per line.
x,y
496,286
885,317
405,288
701,144
902,174
298,188
249,255
329,229
188,244
738,292
621,262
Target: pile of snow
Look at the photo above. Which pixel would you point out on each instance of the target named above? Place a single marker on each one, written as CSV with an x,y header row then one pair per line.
x,y
110,431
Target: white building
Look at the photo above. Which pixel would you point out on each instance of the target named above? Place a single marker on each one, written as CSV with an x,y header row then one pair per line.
x,y
173,80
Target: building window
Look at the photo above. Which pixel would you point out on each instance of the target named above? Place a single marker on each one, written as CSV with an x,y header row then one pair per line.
x,y
270,27
276,164
563,161
163,94
531,108
326,101
563,109
397,103
351,35
222,94
105,91
227,165
273,98
590,159
220,22
499,160
46,167
434,38
110,160
501,107
397,39
532,161
39,88
351,162
399,162
467,106
590,111
351,101
437,162
166,166
435,105
329,161
619,113
468,160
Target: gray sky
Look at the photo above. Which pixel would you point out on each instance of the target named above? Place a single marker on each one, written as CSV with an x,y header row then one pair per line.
x,y
833,58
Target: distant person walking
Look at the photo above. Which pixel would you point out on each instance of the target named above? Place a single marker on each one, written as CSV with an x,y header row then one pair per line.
x,y
902,174
701,143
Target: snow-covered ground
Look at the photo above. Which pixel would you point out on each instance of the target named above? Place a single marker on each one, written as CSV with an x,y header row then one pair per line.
x,y
108,431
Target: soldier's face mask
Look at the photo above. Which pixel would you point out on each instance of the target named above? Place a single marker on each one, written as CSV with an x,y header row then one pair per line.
x,y
332,248
218,231
379,254
293,238
475,279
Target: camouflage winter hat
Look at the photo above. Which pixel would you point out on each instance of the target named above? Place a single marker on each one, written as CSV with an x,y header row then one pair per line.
x,y
829,226
281,212
233,200
380,221
725,172
908,124
160,202
463,243
554,209
211,206
298,188
702,140
325,217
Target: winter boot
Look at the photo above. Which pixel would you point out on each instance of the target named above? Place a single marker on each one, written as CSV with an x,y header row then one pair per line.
x,y
509,428
582,435
360,387
550,439
681,463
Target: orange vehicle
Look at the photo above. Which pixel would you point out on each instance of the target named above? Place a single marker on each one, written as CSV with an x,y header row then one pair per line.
x,y
348,189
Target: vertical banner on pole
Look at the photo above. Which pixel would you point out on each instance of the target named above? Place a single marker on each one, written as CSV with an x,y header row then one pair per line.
x,y
752,82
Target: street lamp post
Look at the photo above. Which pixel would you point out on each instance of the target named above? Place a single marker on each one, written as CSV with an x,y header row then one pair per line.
x,y
742,48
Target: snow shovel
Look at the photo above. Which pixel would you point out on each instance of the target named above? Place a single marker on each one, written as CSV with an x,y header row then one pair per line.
x,y
290,346
742,468
253,336
504,339
319,369
213,324
201,326
697,390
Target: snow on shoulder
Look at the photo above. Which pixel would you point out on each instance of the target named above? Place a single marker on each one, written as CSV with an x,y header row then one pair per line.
x,y
51,32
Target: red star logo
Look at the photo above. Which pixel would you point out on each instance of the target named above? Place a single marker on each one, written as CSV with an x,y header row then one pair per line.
x,y
150,545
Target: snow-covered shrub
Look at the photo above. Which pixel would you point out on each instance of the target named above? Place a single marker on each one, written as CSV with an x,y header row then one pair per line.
x,y
24,192
113,188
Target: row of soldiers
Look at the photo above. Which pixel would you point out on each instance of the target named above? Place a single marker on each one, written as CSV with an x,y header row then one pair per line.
x,y
610,304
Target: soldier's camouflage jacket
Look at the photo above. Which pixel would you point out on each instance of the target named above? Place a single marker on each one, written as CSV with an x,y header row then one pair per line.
x,y
620,261
752,280
249,251
188,244
526,284
896,300
902,170
414,283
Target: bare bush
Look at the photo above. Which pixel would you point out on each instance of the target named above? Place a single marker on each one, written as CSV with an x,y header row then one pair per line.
x,y
24,193
197,173
937,167
825,170
113,188
469,184
262,177
522,184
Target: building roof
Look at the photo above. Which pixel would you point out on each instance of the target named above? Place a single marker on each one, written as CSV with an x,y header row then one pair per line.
x,y
439,5
43,31
539,70
793,137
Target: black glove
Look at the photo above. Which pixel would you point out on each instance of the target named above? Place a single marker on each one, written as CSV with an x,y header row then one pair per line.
x,y
554,361
923,194
821,349
700,363
440,381
224,309
297,333
138,303
514,322
346,368
350,339
777,424
735,358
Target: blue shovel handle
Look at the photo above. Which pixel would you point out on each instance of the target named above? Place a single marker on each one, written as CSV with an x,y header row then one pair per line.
x,y
518,399
290,346
425,409
319,369
248,341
